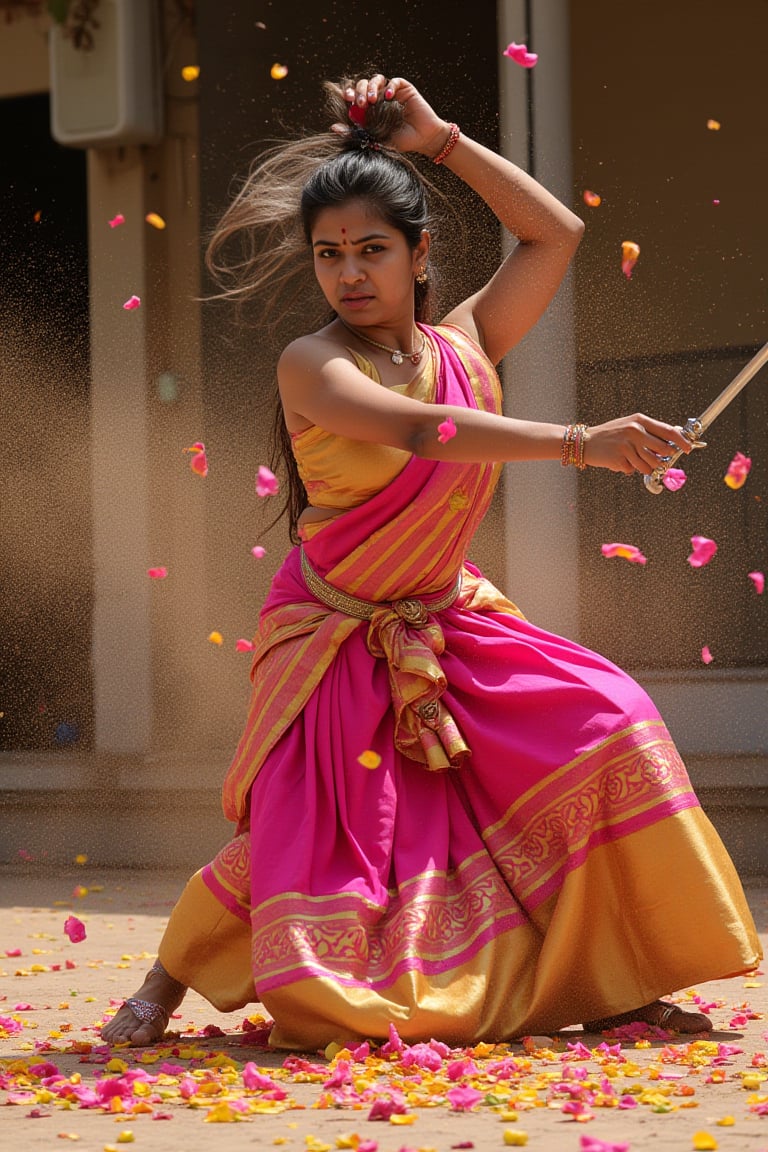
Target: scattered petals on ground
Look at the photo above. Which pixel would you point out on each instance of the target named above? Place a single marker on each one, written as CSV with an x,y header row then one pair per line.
x,y
703,551
738,470
625,552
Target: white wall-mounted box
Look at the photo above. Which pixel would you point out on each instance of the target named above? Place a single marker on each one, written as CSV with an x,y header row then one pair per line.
x,y
111,94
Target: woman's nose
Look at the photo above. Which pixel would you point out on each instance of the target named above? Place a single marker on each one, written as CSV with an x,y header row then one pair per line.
x,y
351,272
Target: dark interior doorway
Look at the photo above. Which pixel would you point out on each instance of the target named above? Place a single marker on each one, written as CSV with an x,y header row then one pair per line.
x,y
45,531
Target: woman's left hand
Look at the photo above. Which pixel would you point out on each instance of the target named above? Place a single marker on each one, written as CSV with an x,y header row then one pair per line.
x,y
423,130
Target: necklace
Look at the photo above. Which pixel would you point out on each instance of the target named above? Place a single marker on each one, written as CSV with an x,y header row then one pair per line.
x,y
398,355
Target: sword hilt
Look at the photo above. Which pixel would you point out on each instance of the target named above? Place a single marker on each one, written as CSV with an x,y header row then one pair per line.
x,y
692,430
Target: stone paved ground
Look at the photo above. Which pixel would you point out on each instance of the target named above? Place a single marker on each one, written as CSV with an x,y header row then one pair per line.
x,y
668,1097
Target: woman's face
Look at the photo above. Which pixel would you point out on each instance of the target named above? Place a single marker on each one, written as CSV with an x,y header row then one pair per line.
x,y
364,265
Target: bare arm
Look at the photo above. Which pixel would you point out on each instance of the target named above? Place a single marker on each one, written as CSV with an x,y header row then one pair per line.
x,y
548,233
319,384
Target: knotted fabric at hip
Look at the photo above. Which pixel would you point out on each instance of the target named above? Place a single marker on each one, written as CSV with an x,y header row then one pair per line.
x,y
407,634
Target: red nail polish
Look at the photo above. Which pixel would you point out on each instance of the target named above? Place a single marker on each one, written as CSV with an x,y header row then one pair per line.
x,y
388,94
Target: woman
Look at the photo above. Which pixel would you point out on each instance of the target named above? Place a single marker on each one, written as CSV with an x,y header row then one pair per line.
x,y
448,819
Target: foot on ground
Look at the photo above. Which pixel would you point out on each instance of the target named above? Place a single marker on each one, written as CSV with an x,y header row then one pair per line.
x,y
659,1014
158,996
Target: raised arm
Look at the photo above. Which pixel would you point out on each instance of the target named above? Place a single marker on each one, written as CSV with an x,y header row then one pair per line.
x,y
548,233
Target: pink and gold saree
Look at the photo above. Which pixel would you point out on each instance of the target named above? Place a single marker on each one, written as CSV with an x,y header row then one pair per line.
x,y
527,851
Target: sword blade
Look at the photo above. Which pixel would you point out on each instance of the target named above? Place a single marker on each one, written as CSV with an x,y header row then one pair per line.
x,y
729,393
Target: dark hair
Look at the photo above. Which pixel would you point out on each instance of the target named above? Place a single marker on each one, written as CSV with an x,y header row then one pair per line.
x,y
272,216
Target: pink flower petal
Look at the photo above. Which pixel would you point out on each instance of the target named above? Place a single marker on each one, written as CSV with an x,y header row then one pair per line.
x,y
520,54
157,573
706,655
75,929
199,461
244,645
258,551
463,1099
738,470
266,482
758,579
592,1144
116,221
673,479
625,551
131,303
446,431
703,551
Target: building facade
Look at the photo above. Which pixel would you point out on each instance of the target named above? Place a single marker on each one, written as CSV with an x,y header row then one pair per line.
x,y
119,713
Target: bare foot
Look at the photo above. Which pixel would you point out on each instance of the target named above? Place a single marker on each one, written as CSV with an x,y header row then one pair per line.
x,y
659,1014
145,1023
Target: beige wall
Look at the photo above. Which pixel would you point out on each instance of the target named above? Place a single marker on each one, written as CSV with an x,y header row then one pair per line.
x,y
23,56
646,78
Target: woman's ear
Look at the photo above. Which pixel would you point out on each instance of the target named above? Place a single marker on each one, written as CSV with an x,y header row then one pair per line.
x,y
421,251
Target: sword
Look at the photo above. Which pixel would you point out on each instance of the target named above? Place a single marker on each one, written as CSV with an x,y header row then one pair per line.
x,y
694,427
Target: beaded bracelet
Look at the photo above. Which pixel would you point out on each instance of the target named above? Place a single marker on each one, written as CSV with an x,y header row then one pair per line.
x,y
450,144
572,451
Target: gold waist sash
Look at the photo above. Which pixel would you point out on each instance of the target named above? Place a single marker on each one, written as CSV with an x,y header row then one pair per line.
x,y
411,610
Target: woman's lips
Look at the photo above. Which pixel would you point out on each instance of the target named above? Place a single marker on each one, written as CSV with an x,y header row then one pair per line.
x,y
355,301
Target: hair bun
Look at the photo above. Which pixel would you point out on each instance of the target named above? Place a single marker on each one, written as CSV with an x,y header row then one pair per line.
x,y
370,126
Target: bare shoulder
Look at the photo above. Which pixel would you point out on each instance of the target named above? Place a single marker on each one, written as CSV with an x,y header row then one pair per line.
x,y
307,354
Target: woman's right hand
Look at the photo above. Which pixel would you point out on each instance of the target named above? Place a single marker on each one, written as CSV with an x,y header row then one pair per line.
x,y
632,444
422,131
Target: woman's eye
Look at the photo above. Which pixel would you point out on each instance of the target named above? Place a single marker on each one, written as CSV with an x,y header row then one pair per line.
x,y
369,248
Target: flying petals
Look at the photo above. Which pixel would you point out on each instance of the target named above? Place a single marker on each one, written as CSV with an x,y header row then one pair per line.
x,y
706,655
266,482
446,431
244,645
591,199
713,125
758,579
81,858
369,759
199,461
190,72
116,221
673,479
703,551
738,470
216,638
132,303
75,929
157,573
278,71
629,254
520,54
625,551
155,220
258,552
